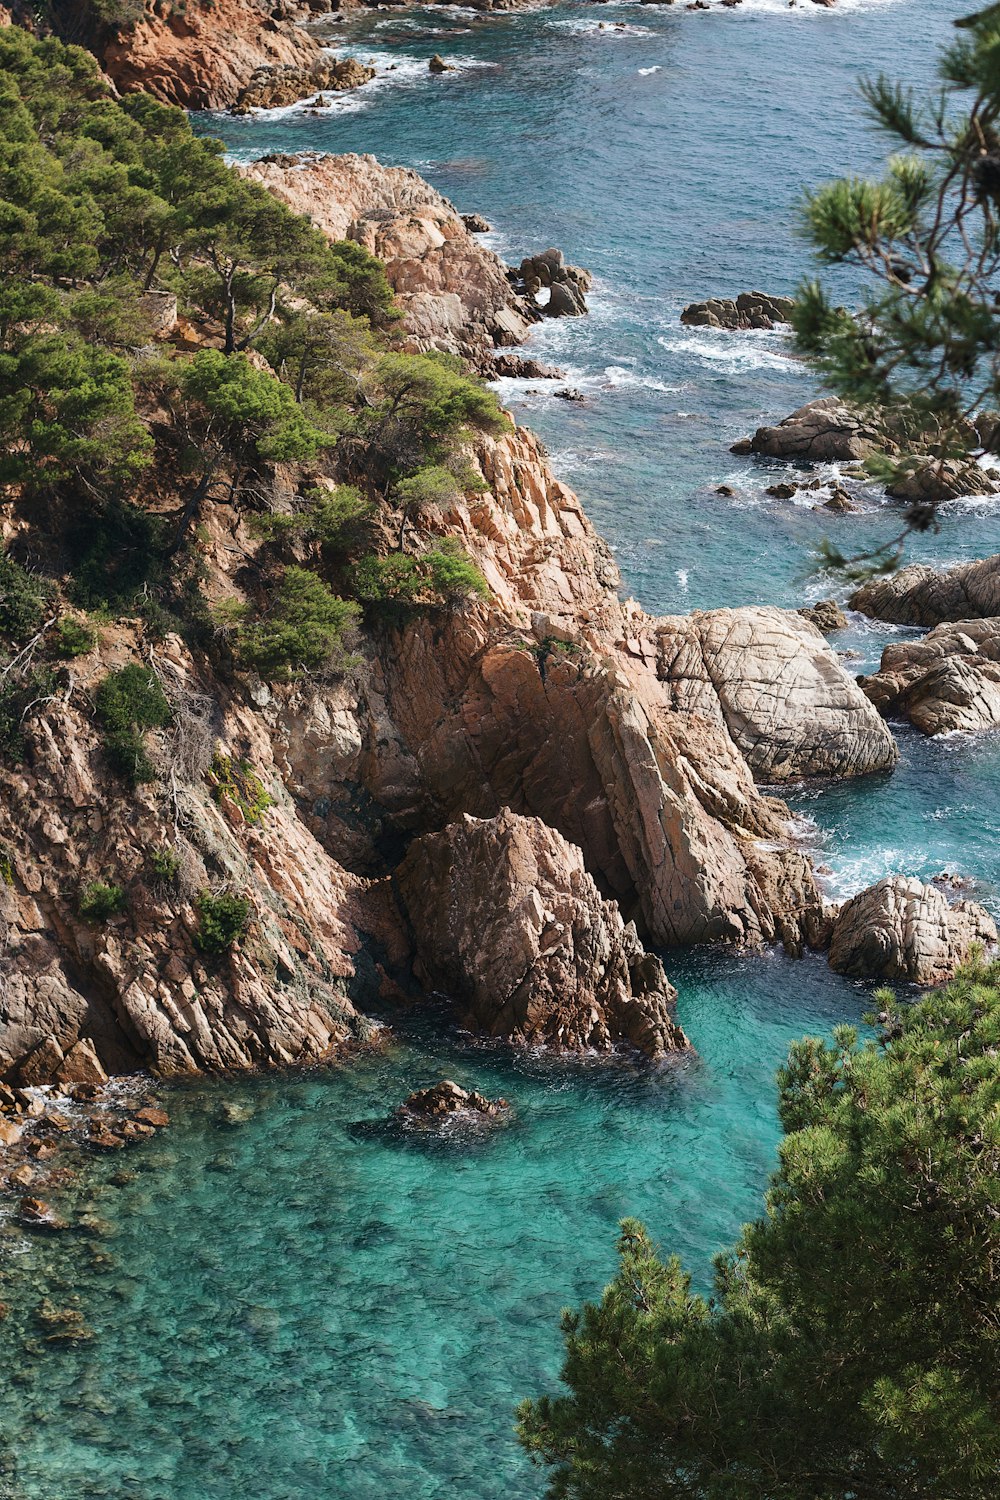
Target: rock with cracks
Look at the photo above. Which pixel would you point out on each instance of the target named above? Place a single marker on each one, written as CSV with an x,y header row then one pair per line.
x,y
507,921
947,682
901,929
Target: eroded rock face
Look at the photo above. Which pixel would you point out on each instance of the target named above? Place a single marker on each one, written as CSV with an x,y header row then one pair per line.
x,y
771,679
901,929
454,292
948,681
919,595
204,54
823,431
748,310
507,921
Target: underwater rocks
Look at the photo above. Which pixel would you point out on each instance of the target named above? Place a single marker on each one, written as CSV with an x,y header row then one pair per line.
x,y
273,87
769,676
919,595
507,921
901,929
824,431
454,292
447,1100
748,310
949,681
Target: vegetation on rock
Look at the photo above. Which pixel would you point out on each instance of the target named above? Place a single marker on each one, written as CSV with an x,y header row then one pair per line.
x,y
222,920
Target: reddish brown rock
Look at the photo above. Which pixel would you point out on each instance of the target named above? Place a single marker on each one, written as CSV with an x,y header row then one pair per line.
x,y
901,929
947,682
446,1100
507,921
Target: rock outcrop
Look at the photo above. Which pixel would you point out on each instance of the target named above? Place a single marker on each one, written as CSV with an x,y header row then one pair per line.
x,y
454,292
771,679
566,285
901,929
204,54
275,87
748,310
919,595
932,481
826,615
949,681
446,1101
507,921
824,431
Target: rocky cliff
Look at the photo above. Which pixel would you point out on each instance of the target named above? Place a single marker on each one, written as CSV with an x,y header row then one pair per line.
x,y
630,743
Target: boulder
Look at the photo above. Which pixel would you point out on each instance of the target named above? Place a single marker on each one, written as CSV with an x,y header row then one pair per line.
x,y
507,921
81,1064
42,1064
769,676
438,65
949,681
826,615
276,87
823,431
932,481
748,310
919,595
566,284
476,224
447,1100
902,929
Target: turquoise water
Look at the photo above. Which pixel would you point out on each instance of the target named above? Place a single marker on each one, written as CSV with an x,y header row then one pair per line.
x,y
302,1304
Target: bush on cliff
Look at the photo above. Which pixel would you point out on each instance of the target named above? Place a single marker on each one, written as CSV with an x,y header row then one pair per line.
x,y
128,702
850,1350
420,408
444,575
222,920
303,629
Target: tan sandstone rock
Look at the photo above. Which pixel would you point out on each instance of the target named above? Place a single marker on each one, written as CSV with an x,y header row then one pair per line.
x,y
771,678
901,929
919,595
948,681
507,921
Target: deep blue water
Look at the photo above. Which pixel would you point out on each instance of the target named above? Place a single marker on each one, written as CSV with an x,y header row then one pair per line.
x,y
292,1306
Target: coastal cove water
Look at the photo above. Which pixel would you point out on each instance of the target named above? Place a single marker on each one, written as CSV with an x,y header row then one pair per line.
x,y
289,1301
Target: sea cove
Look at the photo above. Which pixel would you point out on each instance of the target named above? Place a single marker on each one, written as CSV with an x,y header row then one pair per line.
x,y
288,1296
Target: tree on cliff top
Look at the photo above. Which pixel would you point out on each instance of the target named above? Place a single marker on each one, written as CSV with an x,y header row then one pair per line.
x,y
850,1349
926,340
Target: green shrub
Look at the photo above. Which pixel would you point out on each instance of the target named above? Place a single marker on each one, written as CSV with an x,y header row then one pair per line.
x,y
99,902
24,600
18,695
444,575
453,574
6,866
237,782
128,702
74,637
222,920
165,865
302,631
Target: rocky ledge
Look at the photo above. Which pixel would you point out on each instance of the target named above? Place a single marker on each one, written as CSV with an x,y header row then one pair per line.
x,y
919,595
506,920
901,929
747,311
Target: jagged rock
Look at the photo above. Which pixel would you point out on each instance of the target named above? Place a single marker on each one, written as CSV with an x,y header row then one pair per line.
x,y
826,615
454,293
520,367
919,595
901,929
823,431
839,502
476,224
748,310
447,1099
41,1064
437,64
62,1325
948,681
770,677
276,87
204,55
932,481
81,1064
37,1214
566,284
507,921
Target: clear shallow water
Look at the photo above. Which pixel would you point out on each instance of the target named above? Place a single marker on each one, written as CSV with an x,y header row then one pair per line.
x,y
295,1307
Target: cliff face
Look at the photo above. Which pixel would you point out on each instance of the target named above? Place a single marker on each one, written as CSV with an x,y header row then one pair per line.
x,y
553,700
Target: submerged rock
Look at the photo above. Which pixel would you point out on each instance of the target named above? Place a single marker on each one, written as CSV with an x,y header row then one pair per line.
x,y
748,310
920,595
902,929
948,681
507,921
447,1099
